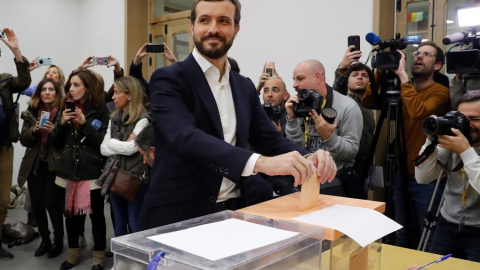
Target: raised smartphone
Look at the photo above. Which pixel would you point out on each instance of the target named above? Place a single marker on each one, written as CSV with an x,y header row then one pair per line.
x,y
155,48
100,60
355,41
44,61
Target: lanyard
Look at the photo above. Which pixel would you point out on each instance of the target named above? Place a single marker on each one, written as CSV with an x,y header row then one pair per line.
x,y
465,187
308,118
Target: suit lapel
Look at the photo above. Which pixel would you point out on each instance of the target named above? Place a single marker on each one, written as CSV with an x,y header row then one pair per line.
x,y
240,105
200,84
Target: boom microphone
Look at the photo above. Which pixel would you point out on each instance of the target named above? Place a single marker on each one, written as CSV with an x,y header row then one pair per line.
x,y
455,37
373,39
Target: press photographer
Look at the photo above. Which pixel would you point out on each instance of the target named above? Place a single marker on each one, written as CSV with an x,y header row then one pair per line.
x,y
275,95
340,137
418,99
457,231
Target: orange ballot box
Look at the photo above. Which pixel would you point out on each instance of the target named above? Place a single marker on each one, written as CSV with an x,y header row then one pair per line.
x,y
339,251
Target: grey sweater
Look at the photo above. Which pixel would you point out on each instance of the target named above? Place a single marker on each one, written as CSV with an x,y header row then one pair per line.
x,y
452,207
344,142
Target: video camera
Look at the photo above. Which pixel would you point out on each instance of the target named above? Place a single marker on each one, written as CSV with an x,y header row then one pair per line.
x,y
309,100
389,59
273,112
463,61
437,125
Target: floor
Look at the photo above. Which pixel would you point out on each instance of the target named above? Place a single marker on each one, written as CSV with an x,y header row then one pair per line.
x,y
24,258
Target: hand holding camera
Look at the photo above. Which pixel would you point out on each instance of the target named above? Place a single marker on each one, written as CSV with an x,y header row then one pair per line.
x,y
324,122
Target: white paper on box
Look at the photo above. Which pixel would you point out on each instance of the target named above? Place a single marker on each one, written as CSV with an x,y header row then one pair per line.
x,y
361,224
222,239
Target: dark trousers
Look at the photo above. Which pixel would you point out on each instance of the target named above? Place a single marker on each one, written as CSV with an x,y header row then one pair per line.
x,y
75,224
46,196
462,243
411,204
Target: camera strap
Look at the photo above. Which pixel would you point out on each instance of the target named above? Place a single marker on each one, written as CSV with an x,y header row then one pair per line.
x,y
428,151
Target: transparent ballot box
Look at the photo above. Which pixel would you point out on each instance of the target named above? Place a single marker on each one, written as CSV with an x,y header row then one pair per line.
x,y
301,251
339,251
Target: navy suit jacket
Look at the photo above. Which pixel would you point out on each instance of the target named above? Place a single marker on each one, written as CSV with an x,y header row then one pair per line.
x,y
191,156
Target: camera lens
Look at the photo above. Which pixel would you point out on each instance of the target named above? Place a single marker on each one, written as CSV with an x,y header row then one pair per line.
x,y
329,114
430,126
40,61
305,97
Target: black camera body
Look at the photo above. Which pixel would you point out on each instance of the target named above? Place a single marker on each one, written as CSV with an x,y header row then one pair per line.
x,y
437,125
463,61
308,100
273,112
387,60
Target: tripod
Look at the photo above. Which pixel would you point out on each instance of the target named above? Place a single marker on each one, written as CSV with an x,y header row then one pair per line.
x,y
431,219
392,112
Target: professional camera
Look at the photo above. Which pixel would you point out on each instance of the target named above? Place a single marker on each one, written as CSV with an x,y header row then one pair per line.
x,y
273,112
463,61
308,100
437,125
389,59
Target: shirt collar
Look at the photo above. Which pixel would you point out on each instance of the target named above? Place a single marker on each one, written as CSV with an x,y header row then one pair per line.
x,y
206,66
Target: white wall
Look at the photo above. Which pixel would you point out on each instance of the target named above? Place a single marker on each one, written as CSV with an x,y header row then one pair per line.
x,y
288,32
284,31
68,31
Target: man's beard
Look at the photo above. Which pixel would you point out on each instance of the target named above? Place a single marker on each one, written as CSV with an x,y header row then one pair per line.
x,y
360,91
475,135
423,73
214,52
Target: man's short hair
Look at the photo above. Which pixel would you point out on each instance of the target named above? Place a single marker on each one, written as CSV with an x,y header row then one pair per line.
x,y
439,55
359,67
144,139
470,96
236,3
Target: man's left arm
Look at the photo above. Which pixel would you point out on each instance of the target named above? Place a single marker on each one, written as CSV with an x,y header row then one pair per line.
x,y
343,144
23,80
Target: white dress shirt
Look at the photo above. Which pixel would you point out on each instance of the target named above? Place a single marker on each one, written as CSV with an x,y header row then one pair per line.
x,y
222,92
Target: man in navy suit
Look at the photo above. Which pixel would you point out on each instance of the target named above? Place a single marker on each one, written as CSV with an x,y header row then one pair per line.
x,y
204,116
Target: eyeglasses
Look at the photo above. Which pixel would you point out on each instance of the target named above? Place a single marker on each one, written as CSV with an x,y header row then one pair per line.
x,y
425,54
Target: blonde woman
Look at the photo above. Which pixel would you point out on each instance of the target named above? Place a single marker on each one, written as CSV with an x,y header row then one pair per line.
x,y
129,119
53,72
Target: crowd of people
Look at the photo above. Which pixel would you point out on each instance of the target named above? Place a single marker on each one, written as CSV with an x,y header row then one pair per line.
x,y
201,142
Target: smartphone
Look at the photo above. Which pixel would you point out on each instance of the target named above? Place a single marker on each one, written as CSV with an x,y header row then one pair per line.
x,y
44,116
46,61
269,68
355,41
100,60
155,48
70,104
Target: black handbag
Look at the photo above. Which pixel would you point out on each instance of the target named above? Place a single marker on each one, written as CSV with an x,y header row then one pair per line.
x,y
126,185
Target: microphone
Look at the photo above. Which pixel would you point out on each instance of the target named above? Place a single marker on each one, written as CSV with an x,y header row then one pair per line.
x,y
96,124
373,39
455,37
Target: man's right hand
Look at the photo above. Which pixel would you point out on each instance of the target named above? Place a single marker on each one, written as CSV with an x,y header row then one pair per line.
x,y
350,57
289,106
292,163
